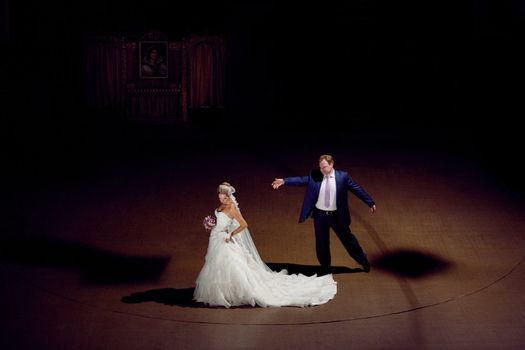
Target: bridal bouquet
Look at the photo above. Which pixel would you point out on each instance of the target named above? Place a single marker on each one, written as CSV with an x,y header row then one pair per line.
x,y
208,222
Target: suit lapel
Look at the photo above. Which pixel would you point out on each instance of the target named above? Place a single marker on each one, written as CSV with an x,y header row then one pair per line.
x,y
338,184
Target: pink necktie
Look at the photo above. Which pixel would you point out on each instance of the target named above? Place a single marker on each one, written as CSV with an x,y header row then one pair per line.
x,y
327,193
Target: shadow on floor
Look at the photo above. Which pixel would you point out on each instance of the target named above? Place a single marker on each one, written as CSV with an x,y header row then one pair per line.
x,y
310,270
172,297
96,266
167,296
411,263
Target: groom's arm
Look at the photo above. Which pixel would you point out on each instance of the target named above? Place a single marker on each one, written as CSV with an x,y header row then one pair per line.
x,y
359,192
290,181
295,181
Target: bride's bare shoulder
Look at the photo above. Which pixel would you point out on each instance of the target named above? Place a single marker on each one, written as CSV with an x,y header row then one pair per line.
x,y
228,209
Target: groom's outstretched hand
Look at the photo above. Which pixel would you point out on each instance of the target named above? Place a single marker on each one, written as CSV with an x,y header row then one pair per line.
x,y
373,209
277,183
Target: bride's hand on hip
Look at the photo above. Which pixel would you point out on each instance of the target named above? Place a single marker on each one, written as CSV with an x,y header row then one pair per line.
x,y
226,236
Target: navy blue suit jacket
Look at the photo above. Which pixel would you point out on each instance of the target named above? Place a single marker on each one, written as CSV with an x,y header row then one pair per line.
x,y
344,183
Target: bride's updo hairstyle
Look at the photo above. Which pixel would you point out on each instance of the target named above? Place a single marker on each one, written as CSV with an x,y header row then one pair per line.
x,y
226,188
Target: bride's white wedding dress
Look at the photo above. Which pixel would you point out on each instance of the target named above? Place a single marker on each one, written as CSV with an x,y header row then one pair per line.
x,y
234,274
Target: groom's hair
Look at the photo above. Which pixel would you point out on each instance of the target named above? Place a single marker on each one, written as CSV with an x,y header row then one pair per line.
x,y
326,157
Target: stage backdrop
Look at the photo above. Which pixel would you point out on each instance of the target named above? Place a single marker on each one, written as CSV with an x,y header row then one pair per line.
x,y
153,78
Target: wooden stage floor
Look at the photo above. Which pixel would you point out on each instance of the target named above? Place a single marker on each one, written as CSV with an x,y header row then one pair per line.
x,y
108,260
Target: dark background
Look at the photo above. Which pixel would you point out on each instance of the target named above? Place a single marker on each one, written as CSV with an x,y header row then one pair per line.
x,y
446,73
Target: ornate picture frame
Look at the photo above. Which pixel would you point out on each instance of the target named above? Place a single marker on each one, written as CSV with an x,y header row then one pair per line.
x,y
153,59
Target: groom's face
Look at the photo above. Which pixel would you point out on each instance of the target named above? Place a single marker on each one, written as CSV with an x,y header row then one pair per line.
x,y
325,167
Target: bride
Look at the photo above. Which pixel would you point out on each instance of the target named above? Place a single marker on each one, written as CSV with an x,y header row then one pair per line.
x,y
234,274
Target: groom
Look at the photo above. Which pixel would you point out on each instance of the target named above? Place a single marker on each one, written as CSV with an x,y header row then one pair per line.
x,y
326,200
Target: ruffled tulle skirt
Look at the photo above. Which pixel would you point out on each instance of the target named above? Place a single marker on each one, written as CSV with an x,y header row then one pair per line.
x,y
231,276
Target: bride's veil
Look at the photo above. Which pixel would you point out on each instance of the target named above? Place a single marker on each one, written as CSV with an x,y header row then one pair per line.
x,y
244,239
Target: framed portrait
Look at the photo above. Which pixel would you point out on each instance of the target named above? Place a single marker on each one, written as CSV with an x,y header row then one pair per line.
x,y
153,59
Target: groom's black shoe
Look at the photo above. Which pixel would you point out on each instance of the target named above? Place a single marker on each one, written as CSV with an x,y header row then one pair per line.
x,y
366,266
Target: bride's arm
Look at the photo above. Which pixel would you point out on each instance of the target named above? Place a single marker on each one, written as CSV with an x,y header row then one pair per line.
x,y
237,216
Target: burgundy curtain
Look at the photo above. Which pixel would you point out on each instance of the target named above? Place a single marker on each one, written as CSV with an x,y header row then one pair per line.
x,y
103,72
206,73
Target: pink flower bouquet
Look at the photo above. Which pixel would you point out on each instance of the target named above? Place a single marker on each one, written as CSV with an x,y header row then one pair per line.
x,y
208,222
